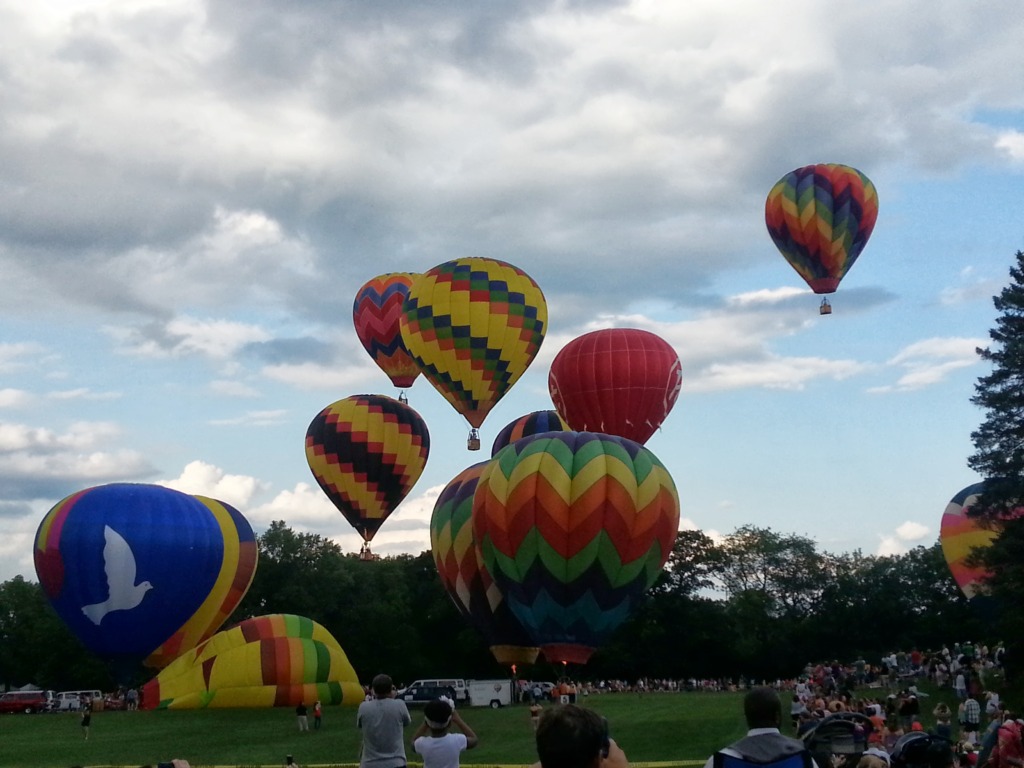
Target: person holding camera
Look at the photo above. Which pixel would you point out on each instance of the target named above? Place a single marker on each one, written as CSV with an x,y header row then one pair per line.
x,y
382,720
432,740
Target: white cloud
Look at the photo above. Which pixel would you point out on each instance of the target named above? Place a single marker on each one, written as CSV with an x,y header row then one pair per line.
x,y
230,388
17,356
316,376
82,393
931,361
1012,143
203,479
15,398
254,419
911,531
184,336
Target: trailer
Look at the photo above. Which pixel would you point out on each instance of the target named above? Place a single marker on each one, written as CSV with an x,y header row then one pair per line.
x,y
490,693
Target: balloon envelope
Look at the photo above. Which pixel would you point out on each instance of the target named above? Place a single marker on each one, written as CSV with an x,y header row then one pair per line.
x,y
279,660
620,381
574,527
474,326
820,218
535,423
375,314
464,576
132,567
237,570
367,452
960,535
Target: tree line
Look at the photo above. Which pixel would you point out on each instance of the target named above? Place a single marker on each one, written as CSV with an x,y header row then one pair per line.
x,y
757,603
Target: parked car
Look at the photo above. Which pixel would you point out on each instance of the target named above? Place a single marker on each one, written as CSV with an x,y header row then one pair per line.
x,y
73,700
24,701
419,695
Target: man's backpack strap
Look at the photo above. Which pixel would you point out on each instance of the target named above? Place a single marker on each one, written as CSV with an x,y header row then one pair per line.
x,y
800,759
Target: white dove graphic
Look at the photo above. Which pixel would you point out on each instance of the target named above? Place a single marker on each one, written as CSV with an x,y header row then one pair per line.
x,y
119,565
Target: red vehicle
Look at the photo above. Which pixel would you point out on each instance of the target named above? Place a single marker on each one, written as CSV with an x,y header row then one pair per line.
x,y
24,701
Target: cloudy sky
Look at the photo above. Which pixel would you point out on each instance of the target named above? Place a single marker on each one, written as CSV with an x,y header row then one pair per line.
x,y
191,193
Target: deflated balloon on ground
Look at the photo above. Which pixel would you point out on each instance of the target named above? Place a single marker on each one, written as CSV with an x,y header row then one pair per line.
x,y
278,660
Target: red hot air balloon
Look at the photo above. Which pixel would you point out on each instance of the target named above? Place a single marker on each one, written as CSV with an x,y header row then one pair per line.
x,y
375,314
367,452
619,381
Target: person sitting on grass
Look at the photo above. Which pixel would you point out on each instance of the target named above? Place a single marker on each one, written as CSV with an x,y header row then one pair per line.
x,y
440,749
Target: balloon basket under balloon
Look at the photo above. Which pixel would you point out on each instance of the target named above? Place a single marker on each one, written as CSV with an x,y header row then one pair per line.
x,y
473,441
825,308
366,554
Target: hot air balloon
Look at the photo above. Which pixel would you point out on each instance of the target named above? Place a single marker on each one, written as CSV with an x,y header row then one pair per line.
x,y
534,423
574,527
236,574
367,452
620,381
820,217
960,535
139,571
279,660
464,576
375,314
474,326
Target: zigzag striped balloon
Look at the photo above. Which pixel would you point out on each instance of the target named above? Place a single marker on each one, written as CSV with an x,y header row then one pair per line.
x,y
375,314
534,423
574,527
820,217
367,452
464,576
474,326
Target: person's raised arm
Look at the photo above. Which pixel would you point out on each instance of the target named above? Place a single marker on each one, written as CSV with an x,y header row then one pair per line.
x,y
471,739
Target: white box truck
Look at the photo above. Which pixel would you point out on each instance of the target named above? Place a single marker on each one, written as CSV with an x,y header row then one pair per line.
x,y
490,693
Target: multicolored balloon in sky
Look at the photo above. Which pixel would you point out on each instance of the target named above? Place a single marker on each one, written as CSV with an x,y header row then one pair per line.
x,y
620,381
820,217
474,326
268,661
574,527
535,423
376,312
143,572
367,452
960,535
464,576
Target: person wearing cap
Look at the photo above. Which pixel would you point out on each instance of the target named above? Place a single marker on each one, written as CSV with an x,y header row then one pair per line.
x,y
432,740
382,719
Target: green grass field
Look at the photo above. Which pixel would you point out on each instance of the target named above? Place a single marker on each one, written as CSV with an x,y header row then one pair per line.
x,y
657,727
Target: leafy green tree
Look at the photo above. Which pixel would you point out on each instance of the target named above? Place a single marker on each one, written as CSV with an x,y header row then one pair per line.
x,y
36,647
999,456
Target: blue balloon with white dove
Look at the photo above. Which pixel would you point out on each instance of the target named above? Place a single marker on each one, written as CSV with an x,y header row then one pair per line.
x,y
125,565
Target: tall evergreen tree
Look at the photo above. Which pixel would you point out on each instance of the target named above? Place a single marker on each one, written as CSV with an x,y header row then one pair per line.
x,y
999,456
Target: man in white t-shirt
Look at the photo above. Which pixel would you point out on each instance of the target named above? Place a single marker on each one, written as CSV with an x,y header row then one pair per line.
x,y
432,740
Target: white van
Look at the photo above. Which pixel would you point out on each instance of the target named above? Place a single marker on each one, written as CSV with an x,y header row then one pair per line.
x,y
70,700
456,684
490,693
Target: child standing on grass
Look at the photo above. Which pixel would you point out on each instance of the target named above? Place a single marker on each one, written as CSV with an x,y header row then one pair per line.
x,y
440,749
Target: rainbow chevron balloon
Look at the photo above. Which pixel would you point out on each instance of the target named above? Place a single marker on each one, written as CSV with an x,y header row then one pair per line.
x,y
474,326
375,314
574,527
820,217
464,576
367,452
